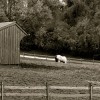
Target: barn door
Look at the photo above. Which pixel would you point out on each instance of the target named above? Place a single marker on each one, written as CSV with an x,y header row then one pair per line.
x,y
1,46
0,54
0,49
4,46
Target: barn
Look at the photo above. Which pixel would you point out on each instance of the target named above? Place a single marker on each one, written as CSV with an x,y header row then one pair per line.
x,y
10,36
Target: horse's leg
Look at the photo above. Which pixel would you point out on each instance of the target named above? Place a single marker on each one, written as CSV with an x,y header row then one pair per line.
x,y
58,60
64,61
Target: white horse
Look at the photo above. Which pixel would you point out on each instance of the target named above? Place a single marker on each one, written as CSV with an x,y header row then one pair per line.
x,y
60,58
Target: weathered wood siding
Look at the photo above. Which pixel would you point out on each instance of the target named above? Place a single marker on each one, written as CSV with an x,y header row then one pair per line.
x,y
10,38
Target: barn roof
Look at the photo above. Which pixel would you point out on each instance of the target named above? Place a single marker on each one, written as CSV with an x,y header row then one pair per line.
x,y
7,24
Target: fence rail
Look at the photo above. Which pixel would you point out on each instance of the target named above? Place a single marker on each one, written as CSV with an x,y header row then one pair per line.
x,y
50,87
48,93
47,57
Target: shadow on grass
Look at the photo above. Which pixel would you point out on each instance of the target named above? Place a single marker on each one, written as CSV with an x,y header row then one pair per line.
x,y
35,66
71,67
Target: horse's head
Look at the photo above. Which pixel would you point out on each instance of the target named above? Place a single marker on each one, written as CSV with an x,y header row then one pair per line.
x,y
56,59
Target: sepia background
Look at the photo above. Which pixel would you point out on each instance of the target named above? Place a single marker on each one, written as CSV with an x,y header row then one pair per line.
x,y
33,32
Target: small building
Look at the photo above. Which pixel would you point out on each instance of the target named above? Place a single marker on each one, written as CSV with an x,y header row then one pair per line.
x,y
10,36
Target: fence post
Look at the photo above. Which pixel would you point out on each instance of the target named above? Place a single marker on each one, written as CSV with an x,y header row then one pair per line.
x,y
93,60
90,91
2,90
46,57
68,61
81,60
47,91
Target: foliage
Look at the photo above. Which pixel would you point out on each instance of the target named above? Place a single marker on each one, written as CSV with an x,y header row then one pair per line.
x,y
72,28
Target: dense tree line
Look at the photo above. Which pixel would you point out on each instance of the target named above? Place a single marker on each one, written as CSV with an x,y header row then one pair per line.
x,y
72,28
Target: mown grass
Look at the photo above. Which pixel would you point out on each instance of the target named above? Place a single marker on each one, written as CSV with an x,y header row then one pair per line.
x,y
35,75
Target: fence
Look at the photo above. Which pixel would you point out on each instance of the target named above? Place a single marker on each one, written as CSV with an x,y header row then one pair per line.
x,y
70,60
47,93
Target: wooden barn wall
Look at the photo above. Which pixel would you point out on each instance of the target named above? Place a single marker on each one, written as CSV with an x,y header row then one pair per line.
x,y
10,45
0,46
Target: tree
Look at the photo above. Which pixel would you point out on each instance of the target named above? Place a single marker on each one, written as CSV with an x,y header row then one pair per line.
x,y
2,13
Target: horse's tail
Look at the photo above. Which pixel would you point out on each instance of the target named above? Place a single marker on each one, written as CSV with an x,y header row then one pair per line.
x,y
64,59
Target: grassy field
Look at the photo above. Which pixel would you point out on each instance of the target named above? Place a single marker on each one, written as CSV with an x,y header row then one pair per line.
x,y
37,75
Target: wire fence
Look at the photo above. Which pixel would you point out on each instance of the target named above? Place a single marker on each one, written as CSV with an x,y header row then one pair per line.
x,y
52,58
